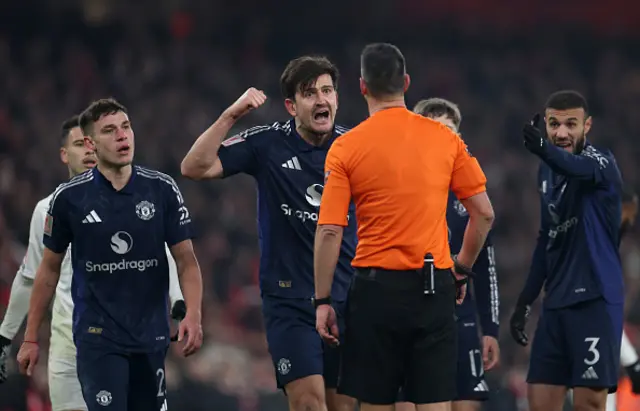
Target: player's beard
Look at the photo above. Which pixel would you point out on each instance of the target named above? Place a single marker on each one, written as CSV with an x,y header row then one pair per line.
x,y
317,137
579,144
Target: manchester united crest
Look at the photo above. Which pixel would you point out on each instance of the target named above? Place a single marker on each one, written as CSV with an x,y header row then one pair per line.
x,y
145,210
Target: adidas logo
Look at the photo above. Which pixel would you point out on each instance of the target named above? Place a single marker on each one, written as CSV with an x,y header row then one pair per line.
x,y
92,217
292,164
481,387
590,374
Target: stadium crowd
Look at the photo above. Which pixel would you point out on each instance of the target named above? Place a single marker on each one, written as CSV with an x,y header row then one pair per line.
x,y
175,78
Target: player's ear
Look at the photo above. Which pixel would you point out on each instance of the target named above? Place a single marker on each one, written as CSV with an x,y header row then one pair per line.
x,y
290,105
363,87
407,82
63,155
587,124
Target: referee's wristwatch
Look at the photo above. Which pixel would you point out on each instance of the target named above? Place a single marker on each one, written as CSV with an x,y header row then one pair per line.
x,y
317,302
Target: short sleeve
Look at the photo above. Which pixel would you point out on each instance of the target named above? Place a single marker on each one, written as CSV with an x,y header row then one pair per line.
x,y
238,154
33,257
178,225
467,179
336,195
57,226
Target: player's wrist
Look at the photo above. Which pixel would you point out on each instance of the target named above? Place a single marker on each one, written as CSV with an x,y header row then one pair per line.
x,y
318,301
229,116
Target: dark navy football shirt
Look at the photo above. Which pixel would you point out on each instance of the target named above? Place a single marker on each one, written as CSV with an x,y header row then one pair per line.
x,y
576,256
120,279
290,175
485,303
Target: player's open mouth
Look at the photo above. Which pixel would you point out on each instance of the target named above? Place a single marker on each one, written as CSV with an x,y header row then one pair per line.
x,y
124,150
89,162
565,144
321,115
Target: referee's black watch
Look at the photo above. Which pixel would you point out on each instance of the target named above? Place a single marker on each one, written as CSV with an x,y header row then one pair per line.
x,y
317,302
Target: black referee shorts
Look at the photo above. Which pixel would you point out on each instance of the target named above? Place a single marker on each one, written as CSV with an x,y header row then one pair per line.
x,y
398,337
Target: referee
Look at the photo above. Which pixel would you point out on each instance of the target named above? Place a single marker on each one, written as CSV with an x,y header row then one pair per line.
x,y
398,168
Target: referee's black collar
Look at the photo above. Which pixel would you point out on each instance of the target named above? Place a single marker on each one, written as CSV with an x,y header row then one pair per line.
x,y
127,189
301,143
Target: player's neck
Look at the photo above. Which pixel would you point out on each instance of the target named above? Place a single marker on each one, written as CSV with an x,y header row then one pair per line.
x,y
312,138
376,105
117,176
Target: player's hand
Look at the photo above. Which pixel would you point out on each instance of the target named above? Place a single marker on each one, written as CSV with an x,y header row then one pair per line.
x,y
461,286
250,100
5,348
633,371
28,357
490,352
327,324
534,139
178,312
518,323
191,328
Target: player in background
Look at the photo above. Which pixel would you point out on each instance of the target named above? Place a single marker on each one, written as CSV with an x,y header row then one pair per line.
x,y
287,161
578,337
474,356
64,387
117,218
628,355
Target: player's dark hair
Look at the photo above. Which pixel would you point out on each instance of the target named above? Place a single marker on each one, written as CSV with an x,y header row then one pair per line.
x,y
96,111
66,128
301,73
383,68
438,107
566,100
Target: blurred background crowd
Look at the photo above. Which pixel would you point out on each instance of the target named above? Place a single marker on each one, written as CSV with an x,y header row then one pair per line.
x,y
176,64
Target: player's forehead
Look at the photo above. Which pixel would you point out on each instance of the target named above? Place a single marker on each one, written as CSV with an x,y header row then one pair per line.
x,y
320,82
75,135
447,121
575,114
112,119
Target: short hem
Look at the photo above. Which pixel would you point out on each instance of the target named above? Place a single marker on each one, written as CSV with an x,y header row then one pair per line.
x,y
479,398
282,385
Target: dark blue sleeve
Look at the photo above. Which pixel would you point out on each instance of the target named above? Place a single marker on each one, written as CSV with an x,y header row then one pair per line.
x,y
591,165
57,227
178,226
486,290
239,154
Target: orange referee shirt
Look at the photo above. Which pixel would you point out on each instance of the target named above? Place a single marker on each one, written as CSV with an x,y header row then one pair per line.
x,y
398,167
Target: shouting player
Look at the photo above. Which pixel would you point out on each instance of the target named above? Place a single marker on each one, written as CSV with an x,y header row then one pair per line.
x,y
287,161
64,388
474,356
117,218
577,340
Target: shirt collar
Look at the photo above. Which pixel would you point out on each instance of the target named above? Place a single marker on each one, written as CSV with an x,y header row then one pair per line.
x,y
102,180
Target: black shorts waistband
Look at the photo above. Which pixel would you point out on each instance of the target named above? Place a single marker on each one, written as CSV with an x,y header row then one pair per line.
x,y
398,276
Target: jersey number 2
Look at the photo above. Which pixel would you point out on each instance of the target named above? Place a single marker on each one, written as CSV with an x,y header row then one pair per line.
x,y
160,375
593,350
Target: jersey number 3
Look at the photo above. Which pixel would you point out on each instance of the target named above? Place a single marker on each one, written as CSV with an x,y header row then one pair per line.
x,y
593,351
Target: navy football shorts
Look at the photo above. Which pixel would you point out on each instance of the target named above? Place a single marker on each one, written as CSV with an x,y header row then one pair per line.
x,y
470,376
117,381
578,346
470,382
296,348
